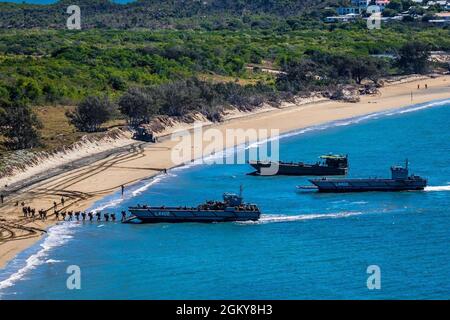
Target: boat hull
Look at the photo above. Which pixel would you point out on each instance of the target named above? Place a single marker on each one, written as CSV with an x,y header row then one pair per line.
x,y
153,215
367,185
295,169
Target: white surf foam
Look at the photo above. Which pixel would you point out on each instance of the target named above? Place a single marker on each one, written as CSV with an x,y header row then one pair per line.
x,y
438,188
53,261
57,235
274,218
60,234
152,182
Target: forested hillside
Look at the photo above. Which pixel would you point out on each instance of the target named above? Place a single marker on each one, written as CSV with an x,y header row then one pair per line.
x,y
155,13
133,62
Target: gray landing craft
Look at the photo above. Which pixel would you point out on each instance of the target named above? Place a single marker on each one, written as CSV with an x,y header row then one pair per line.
x,y
232,208
400,181
330,165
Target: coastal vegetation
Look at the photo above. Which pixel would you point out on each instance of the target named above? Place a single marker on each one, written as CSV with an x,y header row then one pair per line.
x,y
196,58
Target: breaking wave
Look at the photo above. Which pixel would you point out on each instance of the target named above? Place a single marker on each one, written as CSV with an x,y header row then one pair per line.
x,y
58,235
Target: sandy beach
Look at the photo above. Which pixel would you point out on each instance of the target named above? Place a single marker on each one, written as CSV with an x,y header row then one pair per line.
x,y
82,186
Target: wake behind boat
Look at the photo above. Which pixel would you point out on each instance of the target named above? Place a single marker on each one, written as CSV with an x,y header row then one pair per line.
x,y
231,209
330,165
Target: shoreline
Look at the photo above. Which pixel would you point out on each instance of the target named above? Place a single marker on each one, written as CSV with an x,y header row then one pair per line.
x,y
83,186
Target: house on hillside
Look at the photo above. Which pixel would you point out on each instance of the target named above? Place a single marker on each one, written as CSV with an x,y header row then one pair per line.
x,y
382,3
442,19
357,7
351,17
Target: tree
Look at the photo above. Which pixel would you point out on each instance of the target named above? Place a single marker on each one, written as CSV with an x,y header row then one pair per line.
x,y
19,125
298,75
363,68
428,16
395,5
140,104
91,113
414,57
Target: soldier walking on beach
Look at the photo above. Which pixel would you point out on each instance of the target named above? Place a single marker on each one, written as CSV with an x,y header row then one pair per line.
x,y
99,216
70,213
63,215
123,189
106,217
83,215
55,205
2,198
77,215
57,215
113,217
91,216
25,212
62,201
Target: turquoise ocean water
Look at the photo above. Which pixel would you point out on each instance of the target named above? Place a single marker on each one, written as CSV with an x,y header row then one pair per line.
x,y
307,245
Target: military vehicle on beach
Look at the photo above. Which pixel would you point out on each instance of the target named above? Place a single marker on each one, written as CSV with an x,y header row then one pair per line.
x,y
144,134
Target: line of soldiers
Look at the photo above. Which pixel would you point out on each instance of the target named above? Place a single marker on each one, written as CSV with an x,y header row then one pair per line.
x,y
83,216
29,212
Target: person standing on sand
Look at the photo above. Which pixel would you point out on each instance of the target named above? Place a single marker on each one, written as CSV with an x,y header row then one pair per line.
x,y
2,198
426,85
55,205
123,189
62,201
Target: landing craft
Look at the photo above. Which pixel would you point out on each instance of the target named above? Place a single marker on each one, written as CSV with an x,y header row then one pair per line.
x,y
400,181
330,165
231,209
